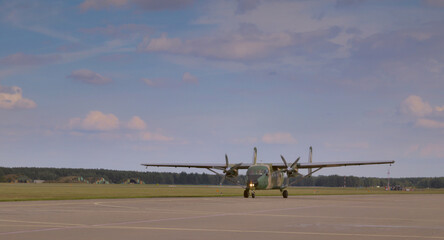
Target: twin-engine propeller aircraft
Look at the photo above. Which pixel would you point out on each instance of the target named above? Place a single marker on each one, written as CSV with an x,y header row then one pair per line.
x,y
265,176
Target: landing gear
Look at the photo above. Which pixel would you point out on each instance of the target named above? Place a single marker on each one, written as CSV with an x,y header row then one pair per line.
x,y
285,194
253,195
246,193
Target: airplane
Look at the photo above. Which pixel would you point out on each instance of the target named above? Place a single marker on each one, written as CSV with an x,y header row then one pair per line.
x,y
267,176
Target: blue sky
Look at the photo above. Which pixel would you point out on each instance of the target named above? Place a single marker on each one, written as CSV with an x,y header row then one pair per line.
x,y
115,83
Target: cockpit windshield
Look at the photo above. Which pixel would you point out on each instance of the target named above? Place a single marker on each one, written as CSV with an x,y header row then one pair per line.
x,y
257,170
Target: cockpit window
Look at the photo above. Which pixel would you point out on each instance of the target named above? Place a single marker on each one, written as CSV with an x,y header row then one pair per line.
x,y
257,171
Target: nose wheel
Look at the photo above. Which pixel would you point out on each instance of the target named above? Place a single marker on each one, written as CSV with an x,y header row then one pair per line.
x,y
285,194
247,193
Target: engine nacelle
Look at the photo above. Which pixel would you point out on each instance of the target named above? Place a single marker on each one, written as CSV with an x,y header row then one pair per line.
x,y
232,172
293,173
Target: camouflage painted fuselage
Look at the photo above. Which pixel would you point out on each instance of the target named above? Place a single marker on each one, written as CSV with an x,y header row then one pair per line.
x,y
262,177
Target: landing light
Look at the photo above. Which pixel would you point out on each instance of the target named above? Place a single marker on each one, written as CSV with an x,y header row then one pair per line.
x,y
251,184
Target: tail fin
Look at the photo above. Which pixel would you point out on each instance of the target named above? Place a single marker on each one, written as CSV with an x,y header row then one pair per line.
x,y
310,160
255,155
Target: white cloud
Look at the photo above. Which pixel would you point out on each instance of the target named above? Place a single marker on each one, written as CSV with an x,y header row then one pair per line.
x,y
244,6
429,123
161,44
28,15
188,78
414,105
21,59
11,98
154,82
136,123
434,150
278,138
122,31
109,127
423,111
439,109
95,121
430,150
100,4
88,76
245,43
149,5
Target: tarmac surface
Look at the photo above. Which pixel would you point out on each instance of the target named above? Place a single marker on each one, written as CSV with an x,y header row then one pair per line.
x,y
399,216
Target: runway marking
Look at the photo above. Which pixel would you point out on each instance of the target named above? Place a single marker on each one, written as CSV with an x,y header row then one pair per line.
x,y
144,211
391,207
55,203
28,225
113,206
102,204
108,224
335,217
47,226
39,230
48,223
287,209
274,232
113,226
142,221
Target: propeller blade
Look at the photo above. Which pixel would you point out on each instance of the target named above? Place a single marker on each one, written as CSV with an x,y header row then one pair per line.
x,y
236,165
222,180
295,163
283,160
255,155
226,160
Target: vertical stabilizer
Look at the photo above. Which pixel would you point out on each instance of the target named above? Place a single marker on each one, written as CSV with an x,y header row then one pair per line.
x,y
255,155
310,160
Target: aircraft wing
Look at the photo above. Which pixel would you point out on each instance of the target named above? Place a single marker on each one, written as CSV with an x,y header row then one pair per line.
x,y
340,164
196,165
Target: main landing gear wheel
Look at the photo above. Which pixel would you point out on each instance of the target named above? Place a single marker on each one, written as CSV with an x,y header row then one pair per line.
x,y
285,194
253,195
246,193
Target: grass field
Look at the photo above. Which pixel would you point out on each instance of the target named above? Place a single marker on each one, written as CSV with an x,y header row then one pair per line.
x,y
60,191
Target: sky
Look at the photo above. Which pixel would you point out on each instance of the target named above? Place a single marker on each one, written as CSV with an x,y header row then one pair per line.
x,y
116,83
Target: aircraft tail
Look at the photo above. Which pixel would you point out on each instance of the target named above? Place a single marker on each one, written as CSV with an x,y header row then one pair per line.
x,y
255,155
310,160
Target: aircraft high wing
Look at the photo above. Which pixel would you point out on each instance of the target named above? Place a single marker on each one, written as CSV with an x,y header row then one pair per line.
x,y
275,165
196,165
264,176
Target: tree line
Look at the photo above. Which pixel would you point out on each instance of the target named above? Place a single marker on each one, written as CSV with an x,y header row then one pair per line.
x,y
117,176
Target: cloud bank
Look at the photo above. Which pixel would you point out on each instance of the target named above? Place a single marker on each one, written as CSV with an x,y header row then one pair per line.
x,y
95,121
147,5
423,112
278,138
89,77
11,98
98,123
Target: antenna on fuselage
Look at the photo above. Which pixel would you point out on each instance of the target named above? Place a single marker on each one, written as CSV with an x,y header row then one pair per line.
x,y
310,160
255,155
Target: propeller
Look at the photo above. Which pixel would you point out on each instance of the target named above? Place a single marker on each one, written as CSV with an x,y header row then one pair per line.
x,y
230,172
290,170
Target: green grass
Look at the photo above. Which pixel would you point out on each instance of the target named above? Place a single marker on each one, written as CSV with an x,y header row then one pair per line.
x,y
60,191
